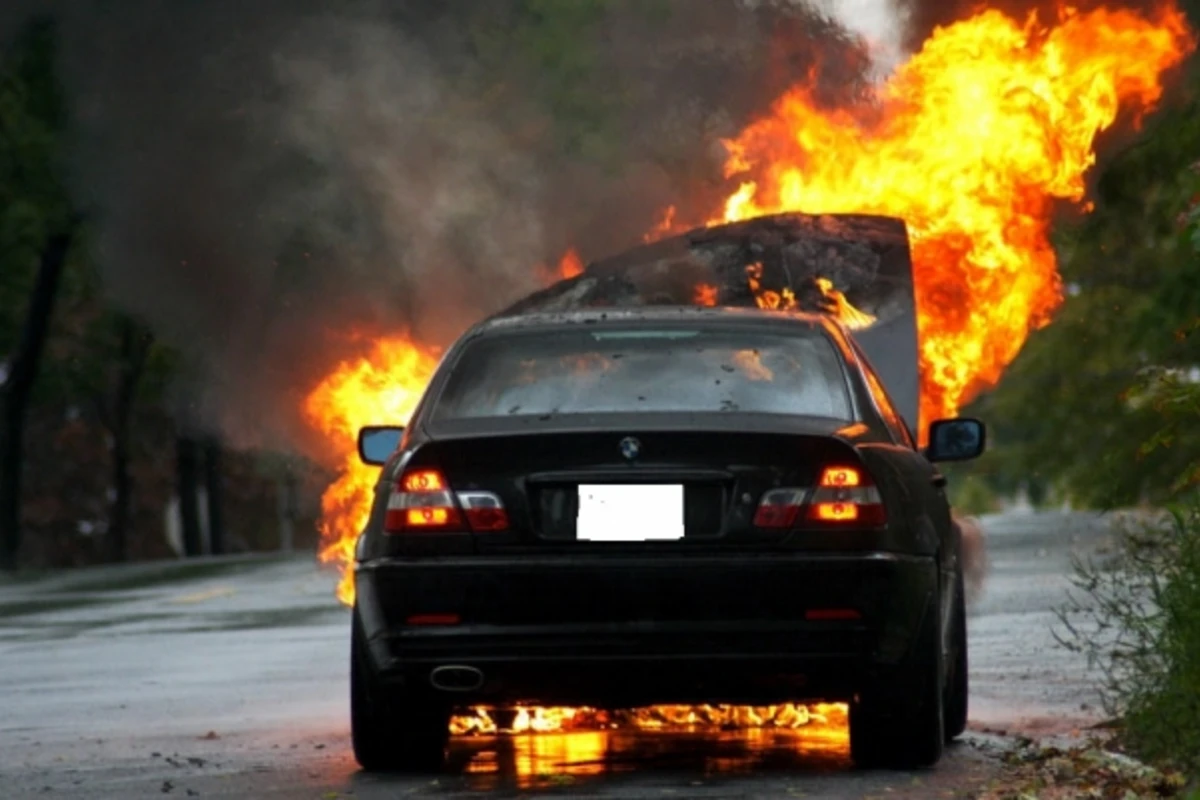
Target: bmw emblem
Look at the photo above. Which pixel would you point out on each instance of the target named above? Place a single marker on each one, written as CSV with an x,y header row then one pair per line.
x,y
631,448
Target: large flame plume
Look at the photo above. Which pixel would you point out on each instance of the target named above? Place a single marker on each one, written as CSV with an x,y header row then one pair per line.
x,y
381,387
971,142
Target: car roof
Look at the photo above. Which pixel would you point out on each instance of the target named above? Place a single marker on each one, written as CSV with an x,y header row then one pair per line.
x,y
651,315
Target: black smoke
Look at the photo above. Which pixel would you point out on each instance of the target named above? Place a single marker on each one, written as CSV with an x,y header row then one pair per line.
x,y
267,177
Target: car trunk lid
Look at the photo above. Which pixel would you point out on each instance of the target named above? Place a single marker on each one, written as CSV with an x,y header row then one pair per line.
x,y
713,470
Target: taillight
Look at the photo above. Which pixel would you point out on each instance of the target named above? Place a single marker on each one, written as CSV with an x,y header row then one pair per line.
x,y
844,496
779,508
484,510
422,500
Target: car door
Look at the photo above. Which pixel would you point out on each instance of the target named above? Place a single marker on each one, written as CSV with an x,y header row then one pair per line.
x,y
927,483
930,507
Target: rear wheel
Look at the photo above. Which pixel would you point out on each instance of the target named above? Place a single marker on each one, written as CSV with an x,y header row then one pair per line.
x,y
957,688
900,725
396,730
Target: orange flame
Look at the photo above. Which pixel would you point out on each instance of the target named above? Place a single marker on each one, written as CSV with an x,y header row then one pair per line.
x,y
533,719
835,303
568,267
768,299
381,388
840,307
970,142
665,226
705,295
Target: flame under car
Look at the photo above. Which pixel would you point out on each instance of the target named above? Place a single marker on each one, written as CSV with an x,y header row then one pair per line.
x,y
623,507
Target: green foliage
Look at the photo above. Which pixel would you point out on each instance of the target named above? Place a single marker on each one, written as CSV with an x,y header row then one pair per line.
x,y
549,35
33,201
1175,397
552,49
1137,618
970,494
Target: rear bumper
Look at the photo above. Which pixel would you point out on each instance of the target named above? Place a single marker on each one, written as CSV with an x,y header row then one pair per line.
x,y
613,631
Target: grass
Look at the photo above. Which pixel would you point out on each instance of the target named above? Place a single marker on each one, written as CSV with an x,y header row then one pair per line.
x,y
1136,616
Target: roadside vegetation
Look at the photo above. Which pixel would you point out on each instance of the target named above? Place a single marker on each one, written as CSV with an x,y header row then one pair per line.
x,y
1136,615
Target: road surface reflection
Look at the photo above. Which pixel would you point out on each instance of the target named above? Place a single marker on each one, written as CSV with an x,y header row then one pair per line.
x,y
533,760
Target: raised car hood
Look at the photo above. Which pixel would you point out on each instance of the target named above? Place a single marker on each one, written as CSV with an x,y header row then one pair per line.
x,y
793,260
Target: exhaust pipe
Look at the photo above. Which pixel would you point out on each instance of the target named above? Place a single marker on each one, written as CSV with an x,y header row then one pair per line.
x,y
456,679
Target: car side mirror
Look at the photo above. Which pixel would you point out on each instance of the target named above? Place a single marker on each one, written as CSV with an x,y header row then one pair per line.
x,y
956,439
377,443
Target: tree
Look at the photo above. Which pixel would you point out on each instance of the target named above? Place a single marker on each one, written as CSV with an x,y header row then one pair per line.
x,y
134,351
22,372
213,490
36,217
187,470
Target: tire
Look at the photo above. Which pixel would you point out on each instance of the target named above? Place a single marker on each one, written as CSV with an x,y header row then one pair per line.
x,y
958,677
396,730
900,725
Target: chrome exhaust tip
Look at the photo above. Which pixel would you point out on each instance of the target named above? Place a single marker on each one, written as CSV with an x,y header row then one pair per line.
x,y
456,678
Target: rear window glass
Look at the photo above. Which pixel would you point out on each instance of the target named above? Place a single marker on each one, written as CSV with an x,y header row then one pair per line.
x,y
665,370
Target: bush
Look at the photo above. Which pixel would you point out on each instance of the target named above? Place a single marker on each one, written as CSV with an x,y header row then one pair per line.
x,y
1136,616
970,494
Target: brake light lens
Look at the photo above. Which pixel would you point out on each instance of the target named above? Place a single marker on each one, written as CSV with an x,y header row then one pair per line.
x,y
840,477
429,517
484,510
422,501
846,495
779,508
843,496
423,480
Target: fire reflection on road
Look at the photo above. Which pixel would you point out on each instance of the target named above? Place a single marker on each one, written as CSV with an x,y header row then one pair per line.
x,y
532,760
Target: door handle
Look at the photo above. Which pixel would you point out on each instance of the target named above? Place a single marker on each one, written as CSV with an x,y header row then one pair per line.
x,y
938,480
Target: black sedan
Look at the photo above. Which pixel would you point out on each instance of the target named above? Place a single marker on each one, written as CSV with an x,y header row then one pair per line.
x,y
666,505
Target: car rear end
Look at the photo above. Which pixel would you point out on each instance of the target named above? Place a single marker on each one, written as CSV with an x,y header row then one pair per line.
x,y
618,515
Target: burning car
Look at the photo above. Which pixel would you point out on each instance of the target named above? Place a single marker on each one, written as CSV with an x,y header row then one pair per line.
x,y
686,475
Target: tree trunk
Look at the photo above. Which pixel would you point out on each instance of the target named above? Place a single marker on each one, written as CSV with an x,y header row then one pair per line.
x,y
212,482
286,496
118,523
14,395
187,470
134,351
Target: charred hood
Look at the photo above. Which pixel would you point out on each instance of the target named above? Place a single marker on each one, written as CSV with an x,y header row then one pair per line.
x,y
855,267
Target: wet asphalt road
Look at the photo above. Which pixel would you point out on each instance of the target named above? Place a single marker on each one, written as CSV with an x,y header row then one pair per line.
x,y
229,679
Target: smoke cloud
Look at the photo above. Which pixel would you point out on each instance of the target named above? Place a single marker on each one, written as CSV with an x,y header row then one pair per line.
x,y
266,179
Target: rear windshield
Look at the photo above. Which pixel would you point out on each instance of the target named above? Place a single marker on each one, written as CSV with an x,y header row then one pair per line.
x,y
666,370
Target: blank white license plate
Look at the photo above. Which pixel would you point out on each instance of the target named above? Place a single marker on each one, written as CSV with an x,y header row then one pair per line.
x,y
629,513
